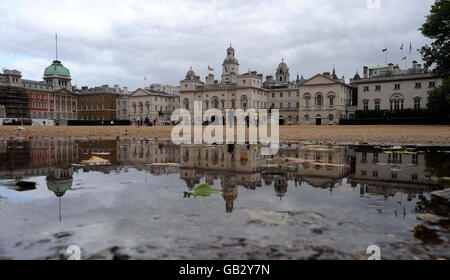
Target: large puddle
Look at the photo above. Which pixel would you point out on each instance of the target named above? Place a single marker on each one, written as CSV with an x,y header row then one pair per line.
x,y
307,202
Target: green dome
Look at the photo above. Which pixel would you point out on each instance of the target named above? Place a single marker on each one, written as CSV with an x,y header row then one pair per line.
x,y
57,69
59,187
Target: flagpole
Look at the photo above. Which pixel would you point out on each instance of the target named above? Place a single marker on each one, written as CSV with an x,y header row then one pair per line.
x,y
410,51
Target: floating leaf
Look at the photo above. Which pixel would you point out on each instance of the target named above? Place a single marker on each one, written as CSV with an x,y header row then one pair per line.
x,y
205,190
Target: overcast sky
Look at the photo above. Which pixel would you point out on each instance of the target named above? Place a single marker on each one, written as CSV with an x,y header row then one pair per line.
x,y
121,42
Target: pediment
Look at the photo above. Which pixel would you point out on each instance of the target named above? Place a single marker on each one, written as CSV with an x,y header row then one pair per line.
x,y
319,80
140,92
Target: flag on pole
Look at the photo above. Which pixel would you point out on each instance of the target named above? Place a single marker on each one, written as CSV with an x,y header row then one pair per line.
x,y
404,58
410,48
401,47
384,50
210,68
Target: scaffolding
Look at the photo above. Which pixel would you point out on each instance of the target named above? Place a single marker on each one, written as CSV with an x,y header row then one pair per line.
x,y
16,102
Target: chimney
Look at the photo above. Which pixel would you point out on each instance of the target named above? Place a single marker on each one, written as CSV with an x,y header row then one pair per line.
x,y
117,88
414,64
210,79
419,66
84,88
366,72
125,89
391,66
327,74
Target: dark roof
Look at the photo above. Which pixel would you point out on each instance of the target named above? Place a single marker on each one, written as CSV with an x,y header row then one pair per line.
x,y
97,90
36,85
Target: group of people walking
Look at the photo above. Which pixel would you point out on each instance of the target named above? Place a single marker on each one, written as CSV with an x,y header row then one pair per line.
x,y
145,122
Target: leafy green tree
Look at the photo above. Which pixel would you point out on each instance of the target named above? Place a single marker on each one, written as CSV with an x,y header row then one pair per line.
x,y
439,99
437,28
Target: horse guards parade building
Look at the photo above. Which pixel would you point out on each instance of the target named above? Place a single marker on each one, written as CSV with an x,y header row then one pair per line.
x,y
323,99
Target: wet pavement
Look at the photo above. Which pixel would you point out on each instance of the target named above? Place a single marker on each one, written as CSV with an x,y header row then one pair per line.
x,y
307,202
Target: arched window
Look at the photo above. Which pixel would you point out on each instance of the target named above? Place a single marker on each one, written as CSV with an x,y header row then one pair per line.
x,y
223,104
244,102
216,104
396,101
331,117
306,117
319,101
141,107
307,98
186,104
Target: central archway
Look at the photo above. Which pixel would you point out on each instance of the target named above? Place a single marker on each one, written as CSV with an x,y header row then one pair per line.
x,y
319,120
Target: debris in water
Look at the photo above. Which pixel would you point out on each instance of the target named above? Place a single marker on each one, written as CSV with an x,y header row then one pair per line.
x,y
94,160
26,185
204,190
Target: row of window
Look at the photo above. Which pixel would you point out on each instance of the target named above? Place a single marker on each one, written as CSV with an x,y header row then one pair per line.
x,y
418,85
157,108
36,86
216,104
282,94
93,97
257,82
393,158
93,118
92,107
395,105
51,115
36,95
44,105
62,83
281,106
414,177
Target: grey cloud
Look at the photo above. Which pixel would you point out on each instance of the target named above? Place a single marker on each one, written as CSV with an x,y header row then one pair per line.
x,y
123,41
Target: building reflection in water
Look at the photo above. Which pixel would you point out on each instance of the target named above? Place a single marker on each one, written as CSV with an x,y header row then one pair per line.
x,y
388,172
59,181
375,171
38,157
233,166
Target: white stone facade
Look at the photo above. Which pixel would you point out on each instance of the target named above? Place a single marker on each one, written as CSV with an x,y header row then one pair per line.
x,y
324,100
235,91
249,91
389,88
157,106
123,103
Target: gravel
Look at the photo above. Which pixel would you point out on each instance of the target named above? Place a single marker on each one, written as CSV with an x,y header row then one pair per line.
x,y
373,135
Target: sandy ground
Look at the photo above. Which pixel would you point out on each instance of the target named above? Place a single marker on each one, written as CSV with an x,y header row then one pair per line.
x,y
404,135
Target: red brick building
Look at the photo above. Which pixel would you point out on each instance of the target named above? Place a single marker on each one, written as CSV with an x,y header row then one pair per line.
x,y
97,104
